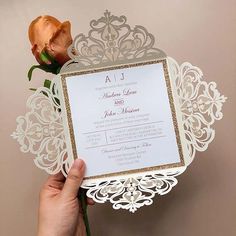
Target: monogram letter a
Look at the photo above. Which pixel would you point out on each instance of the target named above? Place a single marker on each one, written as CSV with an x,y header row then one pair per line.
x,y
107,79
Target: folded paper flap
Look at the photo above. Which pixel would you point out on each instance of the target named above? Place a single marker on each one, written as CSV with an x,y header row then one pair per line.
x,y
111,41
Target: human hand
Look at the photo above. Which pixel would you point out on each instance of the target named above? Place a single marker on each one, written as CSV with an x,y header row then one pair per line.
x,y
60,213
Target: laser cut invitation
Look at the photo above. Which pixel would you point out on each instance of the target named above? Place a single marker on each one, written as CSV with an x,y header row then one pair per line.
x,y
130,111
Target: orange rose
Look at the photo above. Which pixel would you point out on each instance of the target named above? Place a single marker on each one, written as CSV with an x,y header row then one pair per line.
x,y
49,36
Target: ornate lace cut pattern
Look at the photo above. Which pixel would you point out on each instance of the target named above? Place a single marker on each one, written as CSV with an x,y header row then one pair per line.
x,y
40,132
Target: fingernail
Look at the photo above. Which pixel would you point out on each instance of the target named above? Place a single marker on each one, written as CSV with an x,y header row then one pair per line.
x,y
78,163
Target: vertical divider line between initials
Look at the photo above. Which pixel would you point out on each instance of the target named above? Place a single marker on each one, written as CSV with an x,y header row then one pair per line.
x,y
106,136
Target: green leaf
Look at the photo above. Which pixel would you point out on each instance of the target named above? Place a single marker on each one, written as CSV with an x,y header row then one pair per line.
x,y
47,83
32,68
32,89
44,57
52,68
58,70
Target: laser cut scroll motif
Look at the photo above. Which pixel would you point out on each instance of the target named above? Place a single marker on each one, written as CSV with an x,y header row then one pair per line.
x,y
112,41
40,132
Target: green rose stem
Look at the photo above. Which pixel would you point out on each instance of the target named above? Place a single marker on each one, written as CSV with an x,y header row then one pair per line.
x,y
52,66
83,199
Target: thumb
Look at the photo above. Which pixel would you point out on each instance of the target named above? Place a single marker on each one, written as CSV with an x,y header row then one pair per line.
x,y
74,179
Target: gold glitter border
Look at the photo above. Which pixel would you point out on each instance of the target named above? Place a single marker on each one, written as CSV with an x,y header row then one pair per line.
x,y
172,107
69,118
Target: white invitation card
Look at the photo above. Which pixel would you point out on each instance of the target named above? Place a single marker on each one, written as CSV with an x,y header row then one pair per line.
x,y
122,119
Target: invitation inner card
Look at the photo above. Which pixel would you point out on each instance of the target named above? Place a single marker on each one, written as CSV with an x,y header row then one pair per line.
x,y
122,119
